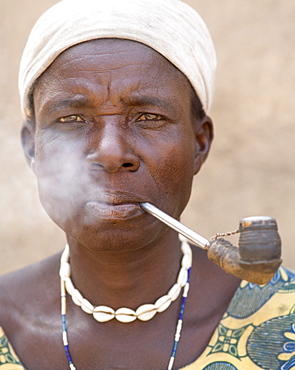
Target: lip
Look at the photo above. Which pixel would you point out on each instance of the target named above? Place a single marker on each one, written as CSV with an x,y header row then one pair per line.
x,y
119,206
111,211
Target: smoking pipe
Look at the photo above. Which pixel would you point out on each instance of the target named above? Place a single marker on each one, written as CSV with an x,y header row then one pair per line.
x,y
256,259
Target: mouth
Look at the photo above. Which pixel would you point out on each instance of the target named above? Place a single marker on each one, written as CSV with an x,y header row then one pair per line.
x,y
111,208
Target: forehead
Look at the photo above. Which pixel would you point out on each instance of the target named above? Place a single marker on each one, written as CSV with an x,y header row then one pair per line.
x,y
129,52
118,58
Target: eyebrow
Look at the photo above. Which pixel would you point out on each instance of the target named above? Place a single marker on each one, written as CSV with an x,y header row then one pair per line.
x,y
75,102
149,100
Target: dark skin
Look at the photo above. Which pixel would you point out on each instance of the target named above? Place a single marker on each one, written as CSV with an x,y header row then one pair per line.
x,y
114,127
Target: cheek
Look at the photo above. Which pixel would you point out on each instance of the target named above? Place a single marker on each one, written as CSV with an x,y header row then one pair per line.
x,y
174,172
58,155
58,175
177,165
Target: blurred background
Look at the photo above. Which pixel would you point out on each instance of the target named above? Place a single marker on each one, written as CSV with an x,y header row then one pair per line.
x,y
251,167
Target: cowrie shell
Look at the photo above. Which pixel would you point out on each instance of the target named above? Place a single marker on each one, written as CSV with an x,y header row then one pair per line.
x,y
182,277
186,261
77,297
146,312
65,270
65,254
125,315
87,306
103,313
174,292
69,286
163,303
185,247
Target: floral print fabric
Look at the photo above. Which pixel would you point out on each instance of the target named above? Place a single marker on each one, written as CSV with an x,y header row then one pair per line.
x,y
8,359
258,329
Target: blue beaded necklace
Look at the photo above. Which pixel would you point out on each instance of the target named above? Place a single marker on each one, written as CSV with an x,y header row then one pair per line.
x,y
177,332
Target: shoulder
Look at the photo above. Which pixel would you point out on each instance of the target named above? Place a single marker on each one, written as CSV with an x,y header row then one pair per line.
x,y
30,309
26,290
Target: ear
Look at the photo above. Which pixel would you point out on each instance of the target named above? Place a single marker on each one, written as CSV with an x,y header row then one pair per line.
x,y
28,142
203,130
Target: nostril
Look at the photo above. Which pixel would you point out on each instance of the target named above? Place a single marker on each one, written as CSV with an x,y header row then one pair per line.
x,y
127,164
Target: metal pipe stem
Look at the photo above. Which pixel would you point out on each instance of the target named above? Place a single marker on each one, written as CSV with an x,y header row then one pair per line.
x,y
192,236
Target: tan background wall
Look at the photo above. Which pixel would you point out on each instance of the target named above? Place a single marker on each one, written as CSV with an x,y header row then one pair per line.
x,y
251,168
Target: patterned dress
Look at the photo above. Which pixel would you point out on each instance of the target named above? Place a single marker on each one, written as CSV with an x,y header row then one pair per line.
x,y
256,332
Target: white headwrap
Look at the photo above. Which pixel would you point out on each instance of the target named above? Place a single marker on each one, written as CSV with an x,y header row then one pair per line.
x,y
170,27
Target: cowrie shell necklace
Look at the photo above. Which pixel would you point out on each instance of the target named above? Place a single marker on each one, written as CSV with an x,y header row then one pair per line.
x,y
144,312
185,261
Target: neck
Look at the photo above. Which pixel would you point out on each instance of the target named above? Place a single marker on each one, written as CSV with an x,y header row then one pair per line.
x,y
126,278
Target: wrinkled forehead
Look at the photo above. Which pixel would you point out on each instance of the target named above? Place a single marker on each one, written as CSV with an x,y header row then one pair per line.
x,y
112,54
113,70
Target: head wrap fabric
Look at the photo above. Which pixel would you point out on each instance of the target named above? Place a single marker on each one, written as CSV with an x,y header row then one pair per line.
x,y
170,27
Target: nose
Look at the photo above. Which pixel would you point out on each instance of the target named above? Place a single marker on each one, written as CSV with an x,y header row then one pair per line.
x,y
111,150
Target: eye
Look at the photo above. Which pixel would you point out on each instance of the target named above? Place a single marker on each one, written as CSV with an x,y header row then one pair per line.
x,y
71,118
150,117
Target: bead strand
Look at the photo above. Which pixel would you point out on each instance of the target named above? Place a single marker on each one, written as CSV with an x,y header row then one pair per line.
x,y
179,323
64,325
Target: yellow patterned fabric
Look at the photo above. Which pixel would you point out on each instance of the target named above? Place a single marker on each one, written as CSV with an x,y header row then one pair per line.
x,y
256,332
8,358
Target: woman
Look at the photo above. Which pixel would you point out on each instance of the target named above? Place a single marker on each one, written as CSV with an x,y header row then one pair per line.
x,y
115,99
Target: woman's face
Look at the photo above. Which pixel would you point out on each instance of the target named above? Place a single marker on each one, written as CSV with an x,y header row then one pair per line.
x,y
114,128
